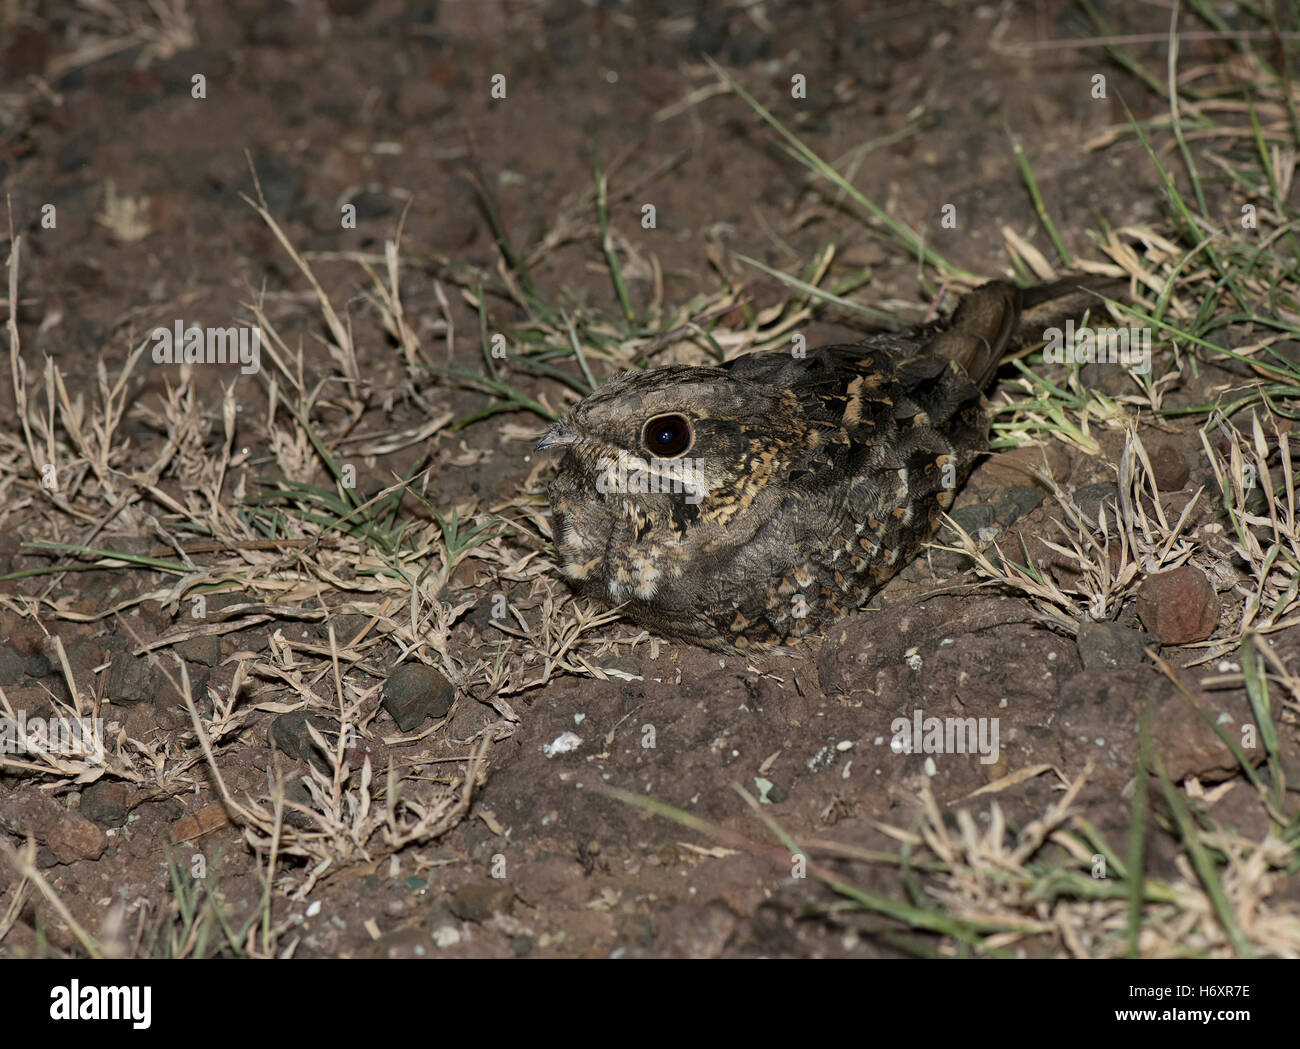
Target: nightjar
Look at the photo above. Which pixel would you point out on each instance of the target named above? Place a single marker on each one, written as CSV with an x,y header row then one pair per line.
x,y
749,504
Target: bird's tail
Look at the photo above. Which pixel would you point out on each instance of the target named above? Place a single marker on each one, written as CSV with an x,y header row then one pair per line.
x,y
998,317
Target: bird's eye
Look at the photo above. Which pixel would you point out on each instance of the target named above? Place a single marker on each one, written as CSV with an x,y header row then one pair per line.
x,y
666,436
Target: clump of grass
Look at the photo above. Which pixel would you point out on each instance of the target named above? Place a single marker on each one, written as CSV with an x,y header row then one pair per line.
x,y
199,923
1053,885
1263,532
1106,559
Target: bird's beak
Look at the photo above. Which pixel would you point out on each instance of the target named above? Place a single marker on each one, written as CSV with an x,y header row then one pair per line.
x,y
559,434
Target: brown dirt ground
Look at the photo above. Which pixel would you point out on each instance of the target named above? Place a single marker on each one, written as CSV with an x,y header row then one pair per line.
x,y
387,105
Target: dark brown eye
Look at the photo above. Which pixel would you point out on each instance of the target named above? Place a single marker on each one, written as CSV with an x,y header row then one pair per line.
x,y
666,436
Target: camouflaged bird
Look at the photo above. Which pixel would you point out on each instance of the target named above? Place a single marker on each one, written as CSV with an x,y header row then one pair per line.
x,y
747,505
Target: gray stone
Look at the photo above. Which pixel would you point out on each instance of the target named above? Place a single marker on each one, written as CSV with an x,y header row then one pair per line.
x,y
1016,502
12,666
106,802
131,680
1091,497
1109,646
205,650
975,518
414,692
288,734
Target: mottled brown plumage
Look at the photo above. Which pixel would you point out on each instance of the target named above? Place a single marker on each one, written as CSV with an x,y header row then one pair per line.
x,y
752,503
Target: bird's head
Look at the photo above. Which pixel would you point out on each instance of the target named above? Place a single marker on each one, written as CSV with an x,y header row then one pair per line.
x,y
667,468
